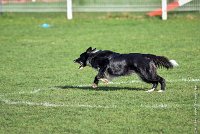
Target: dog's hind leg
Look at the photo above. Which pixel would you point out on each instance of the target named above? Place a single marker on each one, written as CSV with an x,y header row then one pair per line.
x,y
162,83
150,76
147,79
155,84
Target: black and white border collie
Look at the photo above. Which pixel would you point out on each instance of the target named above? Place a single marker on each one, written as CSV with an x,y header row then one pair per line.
x,y
111,64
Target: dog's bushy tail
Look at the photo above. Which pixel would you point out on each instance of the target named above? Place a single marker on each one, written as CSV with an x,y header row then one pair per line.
x,y
161,61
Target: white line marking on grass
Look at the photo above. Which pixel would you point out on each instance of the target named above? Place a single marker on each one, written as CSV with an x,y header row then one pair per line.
x,y
48,104
195,110
125,82
138,81
23,92
155,106
187,80
35,91
110,83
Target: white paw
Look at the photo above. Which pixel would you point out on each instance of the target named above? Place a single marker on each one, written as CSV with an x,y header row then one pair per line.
x,y
105,80
151,90
94,85
160,91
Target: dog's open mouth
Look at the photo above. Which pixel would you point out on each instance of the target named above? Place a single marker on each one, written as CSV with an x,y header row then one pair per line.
x,y
81,66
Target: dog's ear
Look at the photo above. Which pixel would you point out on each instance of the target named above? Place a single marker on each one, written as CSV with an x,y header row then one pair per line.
x,y
94,49
89,50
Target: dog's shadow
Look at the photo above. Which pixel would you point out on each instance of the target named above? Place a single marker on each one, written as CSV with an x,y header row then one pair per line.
x,y
100,88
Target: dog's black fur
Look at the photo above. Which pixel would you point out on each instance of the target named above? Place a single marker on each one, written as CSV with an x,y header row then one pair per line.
x,y
111,64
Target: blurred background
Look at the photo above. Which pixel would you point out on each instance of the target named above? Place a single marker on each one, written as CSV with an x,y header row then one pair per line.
x,y
89,5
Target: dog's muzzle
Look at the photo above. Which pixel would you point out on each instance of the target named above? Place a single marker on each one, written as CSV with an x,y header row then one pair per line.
x,y
79,62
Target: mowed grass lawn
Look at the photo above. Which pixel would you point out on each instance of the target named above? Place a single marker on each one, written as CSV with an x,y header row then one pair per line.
x,y
42,90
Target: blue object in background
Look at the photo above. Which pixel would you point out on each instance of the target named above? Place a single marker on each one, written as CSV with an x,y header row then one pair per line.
x,y
45,25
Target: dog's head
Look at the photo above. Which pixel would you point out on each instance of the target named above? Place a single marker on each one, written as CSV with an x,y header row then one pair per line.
x,y
82,60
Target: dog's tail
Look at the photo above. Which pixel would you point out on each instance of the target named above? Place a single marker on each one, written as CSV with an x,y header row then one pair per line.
x,y
174,63
161,61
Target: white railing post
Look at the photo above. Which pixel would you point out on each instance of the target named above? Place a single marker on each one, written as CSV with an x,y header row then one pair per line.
x,y
164,9
69,9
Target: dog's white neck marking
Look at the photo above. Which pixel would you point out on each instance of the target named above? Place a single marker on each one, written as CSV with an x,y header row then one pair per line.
x,y
94,51
88,63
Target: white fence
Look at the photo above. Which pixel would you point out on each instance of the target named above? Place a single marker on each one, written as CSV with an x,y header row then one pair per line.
x,y
89,5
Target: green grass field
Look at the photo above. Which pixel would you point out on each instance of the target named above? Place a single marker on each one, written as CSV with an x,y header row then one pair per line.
x,y
42,90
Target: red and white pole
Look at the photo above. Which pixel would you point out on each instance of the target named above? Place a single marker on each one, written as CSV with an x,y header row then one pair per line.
x,y
164,9
170,6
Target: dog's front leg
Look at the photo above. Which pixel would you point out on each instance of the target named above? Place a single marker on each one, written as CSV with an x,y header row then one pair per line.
x,y
101,75
96,82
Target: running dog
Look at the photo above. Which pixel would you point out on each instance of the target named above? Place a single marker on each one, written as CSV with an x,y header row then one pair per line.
x,y
110,64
